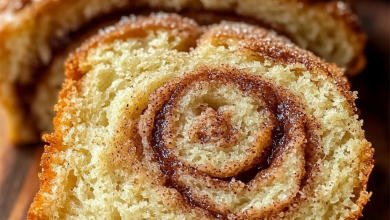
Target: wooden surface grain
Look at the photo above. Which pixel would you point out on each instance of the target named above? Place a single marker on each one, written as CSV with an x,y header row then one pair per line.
x,y
19,166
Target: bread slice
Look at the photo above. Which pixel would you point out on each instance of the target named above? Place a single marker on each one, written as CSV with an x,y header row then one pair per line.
x,y
39,28
160,118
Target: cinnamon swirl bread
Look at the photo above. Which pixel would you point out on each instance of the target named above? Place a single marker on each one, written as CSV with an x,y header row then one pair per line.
x,y
32,31
160,118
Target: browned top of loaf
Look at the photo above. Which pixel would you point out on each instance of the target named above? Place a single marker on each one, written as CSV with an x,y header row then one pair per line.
x,y
333,7
339,9
265,44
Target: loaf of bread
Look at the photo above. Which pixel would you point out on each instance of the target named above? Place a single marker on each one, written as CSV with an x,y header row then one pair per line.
x,y
32,33
160,118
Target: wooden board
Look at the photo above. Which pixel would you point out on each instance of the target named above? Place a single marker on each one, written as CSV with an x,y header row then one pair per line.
x,y
19,168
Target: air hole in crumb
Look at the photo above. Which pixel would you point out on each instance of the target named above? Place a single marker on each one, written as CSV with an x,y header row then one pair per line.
x,y
72,181
115,214
356,192
213,103
106,78
91,194
183,45
220,43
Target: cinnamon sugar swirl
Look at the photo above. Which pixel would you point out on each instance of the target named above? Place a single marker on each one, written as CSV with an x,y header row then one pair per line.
x,y
160,118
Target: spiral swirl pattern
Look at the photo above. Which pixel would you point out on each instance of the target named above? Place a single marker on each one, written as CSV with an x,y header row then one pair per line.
x,y
213,149
242,126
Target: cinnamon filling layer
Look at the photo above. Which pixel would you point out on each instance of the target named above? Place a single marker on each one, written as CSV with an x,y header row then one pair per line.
x,y
226,140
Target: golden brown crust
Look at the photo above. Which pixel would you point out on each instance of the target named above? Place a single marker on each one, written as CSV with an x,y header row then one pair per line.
x,y
254,41
366,165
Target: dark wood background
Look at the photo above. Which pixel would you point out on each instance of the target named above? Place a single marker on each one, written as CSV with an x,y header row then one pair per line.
x,y
19,166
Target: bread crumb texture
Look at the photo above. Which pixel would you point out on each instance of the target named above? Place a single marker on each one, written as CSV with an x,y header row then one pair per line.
x,y
160,118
